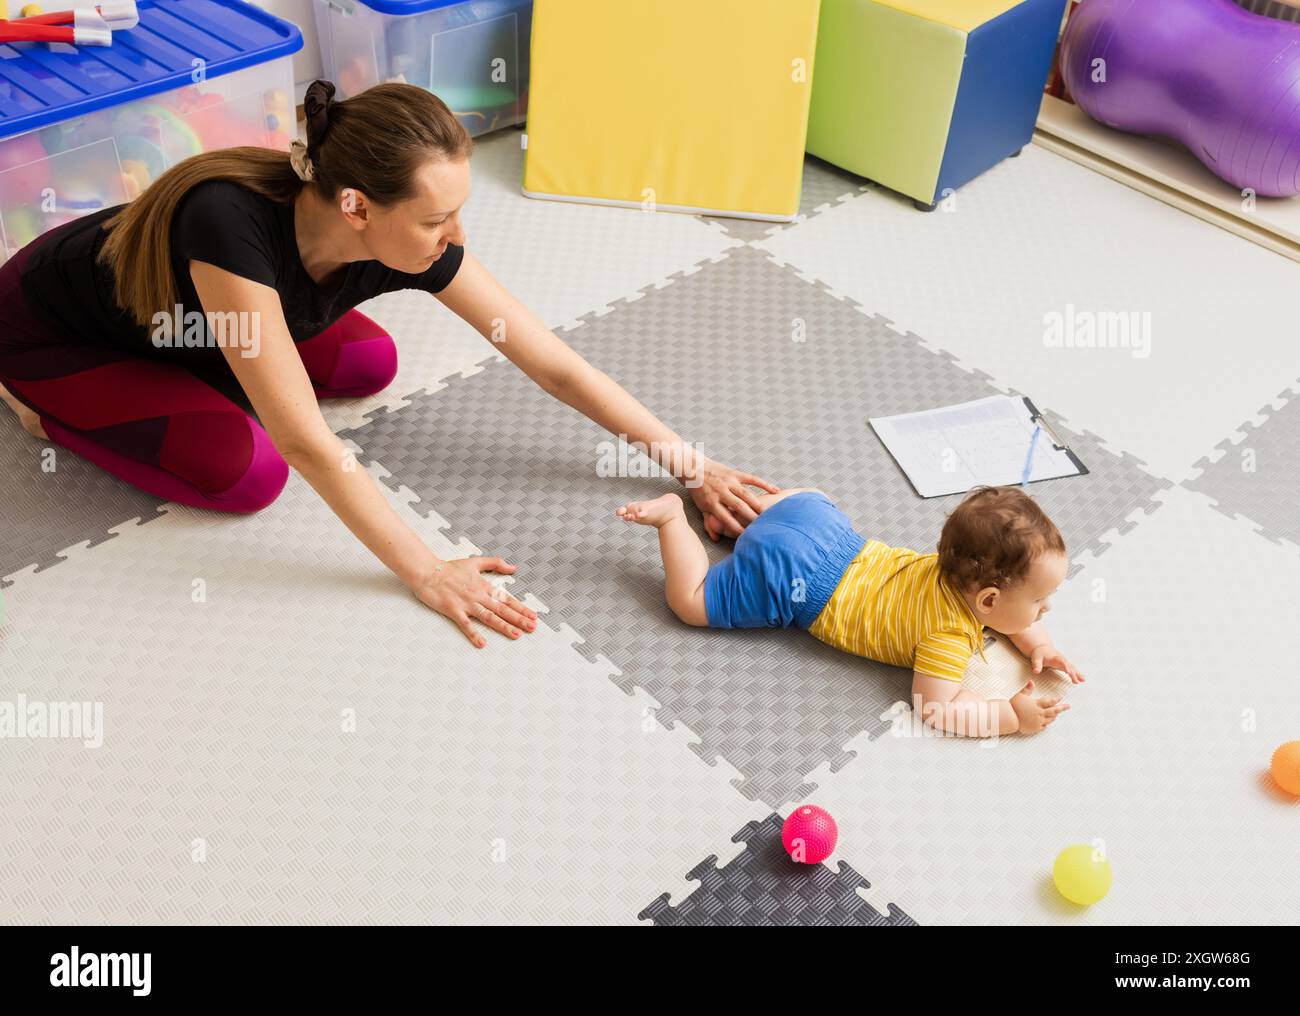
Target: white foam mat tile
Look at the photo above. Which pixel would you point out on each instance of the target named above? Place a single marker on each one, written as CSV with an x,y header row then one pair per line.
x,y
563,261
289,736
1040,235
432,344
1183,629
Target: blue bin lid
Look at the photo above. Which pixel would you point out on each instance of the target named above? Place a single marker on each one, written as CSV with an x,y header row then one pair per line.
x,y
408,6
39,86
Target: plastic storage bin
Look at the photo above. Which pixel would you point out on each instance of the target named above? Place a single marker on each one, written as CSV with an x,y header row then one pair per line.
x,y
84,129
472,54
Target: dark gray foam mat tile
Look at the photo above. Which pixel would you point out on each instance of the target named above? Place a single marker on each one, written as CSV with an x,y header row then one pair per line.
x,y
762,886
824,184
1256,477
515,471
44,513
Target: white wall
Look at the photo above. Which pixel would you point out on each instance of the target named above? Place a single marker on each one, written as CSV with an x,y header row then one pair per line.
x,y
306,62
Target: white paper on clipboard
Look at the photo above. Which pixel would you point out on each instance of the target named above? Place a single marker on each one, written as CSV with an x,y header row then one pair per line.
x,y
988,441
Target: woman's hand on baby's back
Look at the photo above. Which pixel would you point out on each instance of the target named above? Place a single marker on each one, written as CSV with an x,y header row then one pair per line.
x,y
1035,713
459,591
719,493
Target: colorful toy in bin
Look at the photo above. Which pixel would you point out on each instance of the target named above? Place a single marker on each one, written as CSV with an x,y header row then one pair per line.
x,y
923,96
24,171
1223,81
110,129
22,226
164,130
672,105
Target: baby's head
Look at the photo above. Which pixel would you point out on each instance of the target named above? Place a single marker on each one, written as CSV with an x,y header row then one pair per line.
x,y
1001,551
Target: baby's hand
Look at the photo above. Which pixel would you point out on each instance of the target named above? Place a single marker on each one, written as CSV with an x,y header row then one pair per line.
x,y
1035,714
1050,656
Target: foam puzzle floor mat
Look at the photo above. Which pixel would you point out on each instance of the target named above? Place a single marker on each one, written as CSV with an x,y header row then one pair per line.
x,y
1162,761
760,886
774,704
45,510
1255,474
288,736
283,741
1045,276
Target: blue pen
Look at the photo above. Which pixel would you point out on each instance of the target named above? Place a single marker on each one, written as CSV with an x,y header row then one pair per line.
x,y
1029,459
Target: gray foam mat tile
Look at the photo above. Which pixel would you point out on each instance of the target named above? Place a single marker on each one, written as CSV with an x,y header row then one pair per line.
x,y
335,748
761,885
1254,475
824,184
44,513
711,354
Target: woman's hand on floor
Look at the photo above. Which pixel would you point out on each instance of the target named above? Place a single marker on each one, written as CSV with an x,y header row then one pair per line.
x,y
458,590
722,499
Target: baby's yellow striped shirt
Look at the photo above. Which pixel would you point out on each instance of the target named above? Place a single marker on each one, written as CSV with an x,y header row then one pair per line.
x,y
892,605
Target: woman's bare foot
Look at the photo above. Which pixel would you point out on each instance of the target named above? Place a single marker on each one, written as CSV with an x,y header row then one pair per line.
x,y
29,418
655,513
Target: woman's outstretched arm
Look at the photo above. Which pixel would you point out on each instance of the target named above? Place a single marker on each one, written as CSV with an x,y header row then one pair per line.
x,y
277,385
718,490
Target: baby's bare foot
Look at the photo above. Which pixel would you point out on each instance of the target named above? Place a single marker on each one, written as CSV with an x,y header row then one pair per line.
x,y
30,419
652,513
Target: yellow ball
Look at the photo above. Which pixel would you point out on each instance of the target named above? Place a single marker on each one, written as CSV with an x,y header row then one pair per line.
x,y
1079,877
31,10
1286,767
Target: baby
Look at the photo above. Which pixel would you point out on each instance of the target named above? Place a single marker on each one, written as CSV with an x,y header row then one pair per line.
x,y
801,563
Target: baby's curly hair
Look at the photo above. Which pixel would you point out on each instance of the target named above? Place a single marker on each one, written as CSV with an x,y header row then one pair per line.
x,y
992,538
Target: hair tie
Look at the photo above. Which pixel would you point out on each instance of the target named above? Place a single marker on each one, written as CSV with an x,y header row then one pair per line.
x,y
300,162
316,105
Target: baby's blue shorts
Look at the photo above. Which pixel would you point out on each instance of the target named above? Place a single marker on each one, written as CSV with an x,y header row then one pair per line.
x,y
785,565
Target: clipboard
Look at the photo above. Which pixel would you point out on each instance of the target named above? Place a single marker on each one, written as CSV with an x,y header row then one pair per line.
x,y
1001,440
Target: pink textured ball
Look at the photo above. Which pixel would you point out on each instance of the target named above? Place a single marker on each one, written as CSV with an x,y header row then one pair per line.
x,y
809,834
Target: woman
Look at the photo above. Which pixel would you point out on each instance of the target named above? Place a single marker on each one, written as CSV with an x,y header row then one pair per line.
x,y
99,351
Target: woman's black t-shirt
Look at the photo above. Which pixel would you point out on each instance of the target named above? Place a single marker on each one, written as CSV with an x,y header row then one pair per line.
x,y
223,224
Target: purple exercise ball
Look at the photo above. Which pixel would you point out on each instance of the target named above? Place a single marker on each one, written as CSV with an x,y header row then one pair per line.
x,y
1223,81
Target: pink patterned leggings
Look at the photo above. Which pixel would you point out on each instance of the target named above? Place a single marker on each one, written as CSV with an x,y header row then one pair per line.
x,y
160,427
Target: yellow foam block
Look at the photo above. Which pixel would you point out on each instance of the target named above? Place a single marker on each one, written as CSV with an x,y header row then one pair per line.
x,y
963,15
688,106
